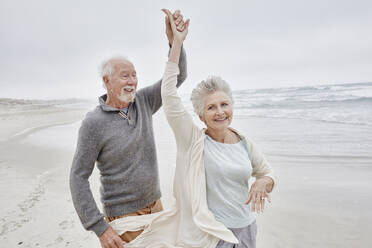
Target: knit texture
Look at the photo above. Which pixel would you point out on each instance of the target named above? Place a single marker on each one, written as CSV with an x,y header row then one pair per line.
x,y
124,152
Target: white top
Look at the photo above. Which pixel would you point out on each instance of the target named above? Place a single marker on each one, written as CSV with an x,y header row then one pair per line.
x,y
227,170
189,222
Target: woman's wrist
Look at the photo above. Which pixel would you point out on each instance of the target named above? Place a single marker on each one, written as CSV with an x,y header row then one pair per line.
x,y
177,41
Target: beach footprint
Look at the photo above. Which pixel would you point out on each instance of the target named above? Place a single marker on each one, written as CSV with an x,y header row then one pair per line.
x,y
66,224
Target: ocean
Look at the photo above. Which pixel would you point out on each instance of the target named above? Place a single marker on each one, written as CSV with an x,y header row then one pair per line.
x,y
324,124
339,103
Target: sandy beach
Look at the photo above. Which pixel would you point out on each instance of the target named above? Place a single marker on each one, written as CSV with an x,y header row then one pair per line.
x,y
322,198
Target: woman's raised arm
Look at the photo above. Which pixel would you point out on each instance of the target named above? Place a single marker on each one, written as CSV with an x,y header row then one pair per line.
x,y
178,118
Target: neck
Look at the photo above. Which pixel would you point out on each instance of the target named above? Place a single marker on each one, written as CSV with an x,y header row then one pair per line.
x,y
219,135
116,103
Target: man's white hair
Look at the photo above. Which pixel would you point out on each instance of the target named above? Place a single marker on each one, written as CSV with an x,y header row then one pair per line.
x,y
206,87
107,66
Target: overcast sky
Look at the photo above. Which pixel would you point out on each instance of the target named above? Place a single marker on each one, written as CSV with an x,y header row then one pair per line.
x,y
52,49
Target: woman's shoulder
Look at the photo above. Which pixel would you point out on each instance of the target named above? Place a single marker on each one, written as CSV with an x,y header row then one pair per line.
x,y
241,135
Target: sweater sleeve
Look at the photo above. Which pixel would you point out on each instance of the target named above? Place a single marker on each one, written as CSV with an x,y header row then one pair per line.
x,y
82,166
178,118
152,93
260,165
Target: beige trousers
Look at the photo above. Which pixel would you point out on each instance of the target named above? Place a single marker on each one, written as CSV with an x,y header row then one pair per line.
x,y
154,207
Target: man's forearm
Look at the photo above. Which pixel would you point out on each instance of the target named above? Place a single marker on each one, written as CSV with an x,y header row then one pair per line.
x,y
182,65
90,216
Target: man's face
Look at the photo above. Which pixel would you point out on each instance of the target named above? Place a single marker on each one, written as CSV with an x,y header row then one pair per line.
x,y
122,84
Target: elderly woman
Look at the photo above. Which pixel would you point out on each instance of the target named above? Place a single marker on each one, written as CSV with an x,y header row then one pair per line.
x,y
214,205
226,157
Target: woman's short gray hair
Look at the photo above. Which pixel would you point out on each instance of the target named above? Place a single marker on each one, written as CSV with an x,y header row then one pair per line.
x,y
206,87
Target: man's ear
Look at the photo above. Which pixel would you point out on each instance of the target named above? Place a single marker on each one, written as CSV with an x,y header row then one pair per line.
x,y
106,81
201,118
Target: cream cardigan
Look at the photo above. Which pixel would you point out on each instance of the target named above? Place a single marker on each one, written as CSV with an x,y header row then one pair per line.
x,y
188,223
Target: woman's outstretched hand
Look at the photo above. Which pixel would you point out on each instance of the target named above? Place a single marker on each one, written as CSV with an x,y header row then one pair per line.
x,y
179,31
259,192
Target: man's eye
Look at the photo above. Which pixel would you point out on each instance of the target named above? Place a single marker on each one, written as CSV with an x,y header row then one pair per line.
x,y
224,104
210,107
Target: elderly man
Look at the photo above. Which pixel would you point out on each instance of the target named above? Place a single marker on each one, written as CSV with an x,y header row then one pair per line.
x,y
118,136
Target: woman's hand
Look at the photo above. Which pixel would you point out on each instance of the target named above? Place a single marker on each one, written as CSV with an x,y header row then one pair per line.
x,y
178,19
259,191
178,27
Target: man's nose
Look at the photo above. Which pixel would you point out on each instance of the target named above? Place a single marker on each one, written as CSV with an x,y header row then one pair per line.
x,y
132,80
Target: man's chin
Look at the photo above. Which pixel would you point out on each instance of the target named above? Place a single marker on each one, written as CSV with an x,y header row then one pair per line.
x,y
127,98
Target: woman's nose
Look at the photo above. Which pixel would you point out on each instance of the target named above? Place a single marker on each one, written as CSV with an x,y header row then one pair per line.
x,y
219,111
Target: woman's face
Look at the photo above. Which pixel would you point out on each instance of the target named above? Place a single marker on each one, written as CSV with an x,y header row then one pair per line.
x,y
217,112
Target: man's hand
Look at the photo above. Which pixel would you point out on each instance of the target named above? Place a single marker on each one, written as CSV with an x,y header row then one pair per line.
x,y
259,192
110,239
179,32
178,20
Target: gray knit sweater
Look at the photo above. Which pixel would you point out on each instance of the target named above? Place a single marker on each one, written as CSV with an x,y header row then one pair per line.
x,y
124,152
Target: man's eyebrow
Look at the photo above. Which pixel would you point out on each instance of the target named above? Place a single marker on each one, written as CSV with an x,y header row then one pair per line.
x,y
127,71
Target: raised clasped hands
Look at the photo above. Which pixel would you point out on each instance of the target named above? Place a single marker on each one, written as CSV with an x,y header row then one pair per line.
x,y
176,28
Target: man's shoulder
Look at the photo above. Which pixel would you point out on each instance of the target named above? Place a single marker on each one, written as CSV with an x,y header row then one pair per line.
x,y
94,118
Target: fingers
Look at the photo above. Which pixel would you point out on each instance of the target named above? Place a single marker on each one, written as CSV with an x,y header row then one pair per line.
x,y
170,17
257,200
184,26
187,23
178,20
168,13
268,197
119,244
257,203
181,26
176,14
249,198
167,23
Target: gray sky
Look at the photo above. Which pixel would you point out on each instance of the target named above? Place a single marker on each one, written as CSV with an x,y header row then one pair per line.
x,y
52,49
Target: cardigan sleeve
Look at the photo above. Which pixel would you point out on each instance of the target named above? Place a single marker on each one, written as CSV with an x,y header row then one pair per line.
x,y
152,93
178,118
260,165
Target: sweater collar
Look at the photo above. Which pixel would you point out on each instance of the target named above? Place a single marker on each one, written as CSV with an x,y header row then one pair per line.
x,y
105,107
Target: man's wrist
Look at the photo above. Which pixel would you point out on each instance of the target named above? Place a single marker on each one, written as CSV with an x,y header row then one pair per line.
x,y
100,227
